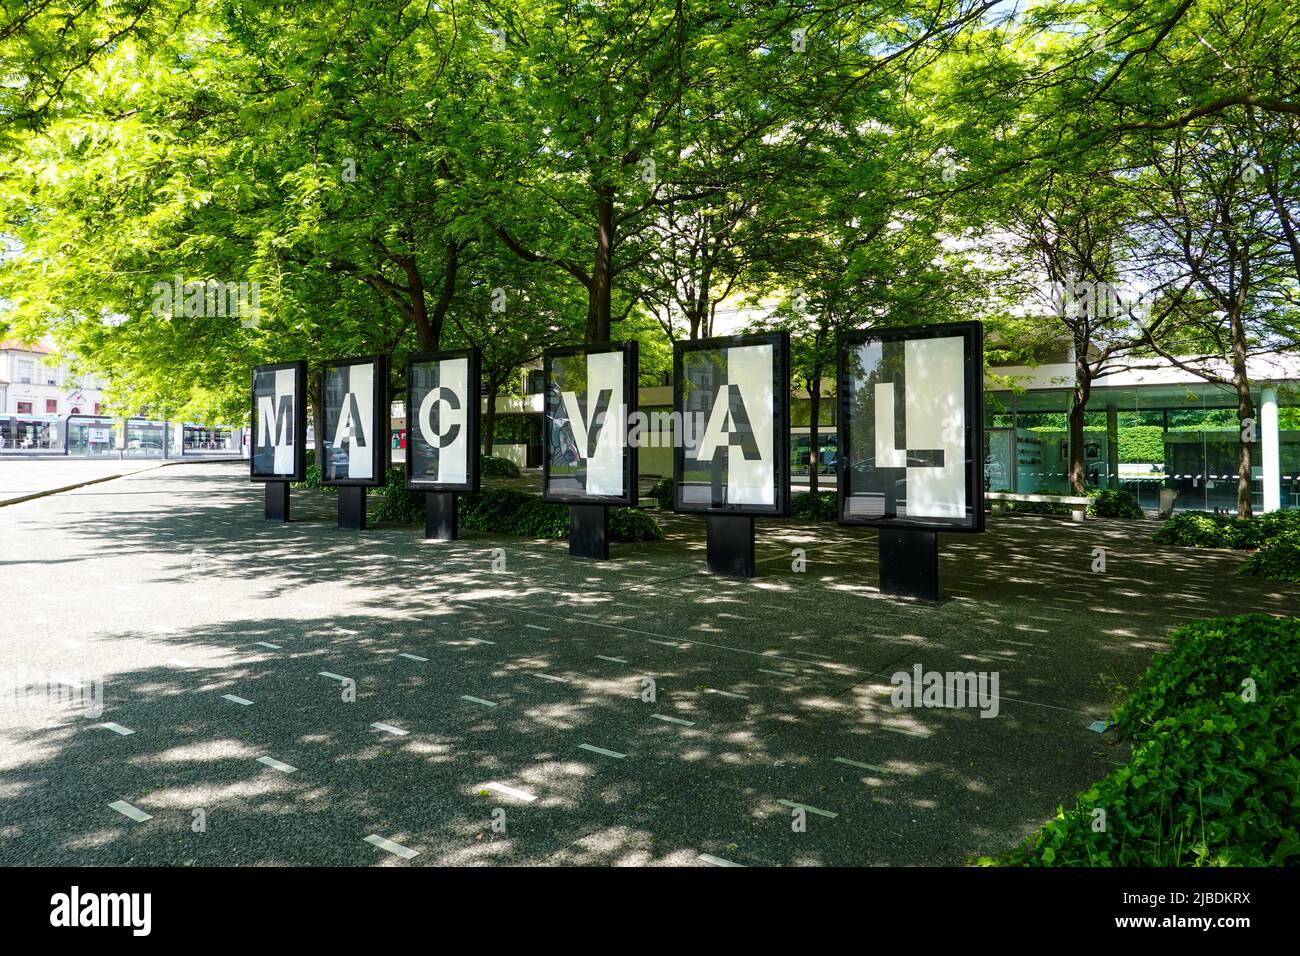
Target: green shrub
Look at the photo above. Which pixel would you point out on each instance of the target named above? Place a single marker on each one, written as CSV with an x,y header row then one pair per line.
x,y
1199,529
823,506
1207,659
398,504
1214,778
1277,560
662,491
1108,503
507,511
489,466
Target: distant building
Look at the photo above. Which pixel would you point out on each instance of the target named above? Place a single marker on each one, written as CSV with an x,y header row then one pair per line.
x,y
34,382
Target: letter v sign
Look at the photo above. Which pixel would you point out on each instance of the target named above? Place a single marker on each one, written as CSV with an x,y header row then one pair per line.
x,y
587,433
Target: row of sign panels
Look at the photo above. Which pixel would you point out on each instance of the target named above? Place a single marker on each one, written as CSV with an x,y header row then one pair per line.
x,y
911,443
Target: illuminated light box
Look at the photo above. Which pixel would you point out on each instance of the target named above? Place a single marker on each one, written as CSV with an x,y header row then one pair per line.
x,y
911,428
354,440
442,421
590,394
731,410
278,448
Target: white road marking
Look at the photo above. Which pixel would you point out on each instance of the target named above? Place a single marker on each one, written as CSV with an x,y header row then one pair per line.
x,y
479,640
537,627
477,700
718,861
338,677
803,806
414,657
612,660
511,792
235,699
726,693
390,729
664,643
276,764
864,766
124,808
558,680
674,720
117,728
274,647
406,853
602,750
764,670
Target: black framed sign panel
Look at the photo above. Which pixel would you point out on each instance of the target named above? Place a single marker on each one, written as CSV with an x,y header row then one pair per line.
x,y
911,427
590,394
442,421
731,401
278,448
354,445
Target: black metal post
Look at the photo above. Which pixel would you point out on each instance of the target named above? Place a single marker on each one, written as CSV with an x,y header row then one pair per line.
x,y
729,543
589,532
909,563
277,501
440,515
352,507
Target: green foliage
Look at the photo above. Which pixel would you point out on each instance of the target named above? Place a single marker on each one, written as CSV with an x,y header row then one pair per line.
x,y
1108,503
398,504
1278,559
490,466
1199,529
823,506
1142,443
507,511
662,491
1214,778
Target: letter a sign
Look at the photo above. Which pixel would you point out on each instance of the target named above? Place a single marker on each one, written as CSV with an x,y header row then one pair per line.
x,y
353,447
731,403
279,420
442,420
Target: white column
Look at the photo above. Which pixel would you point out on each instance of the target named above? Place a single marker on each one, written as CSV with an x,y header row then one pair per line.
x,y
1268,442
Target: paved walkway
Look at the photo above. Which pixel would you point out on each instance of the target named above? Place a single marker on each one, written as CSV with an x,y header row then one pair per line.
x,y
302,695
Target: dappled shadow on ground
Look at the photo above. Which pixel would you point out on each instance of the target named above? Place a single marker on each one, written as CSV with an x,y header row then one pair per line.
x,y
540,709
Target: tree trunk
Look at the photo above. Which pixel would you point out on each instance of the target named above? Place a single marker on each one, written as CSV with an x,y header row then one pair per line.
x,y
598,297
316,403
814,408
490,414
1245,416
1078,404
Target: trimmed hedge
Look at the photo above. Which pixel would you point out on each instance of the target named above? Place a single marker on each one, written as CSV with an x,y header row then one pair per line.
x,y
507,511
489,466
1199,529
1214,778
823,506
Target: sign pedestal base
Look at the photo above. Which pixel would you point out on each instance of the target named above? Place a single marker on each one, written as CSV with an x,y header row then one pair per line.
x,y
352,507
730,545
589,532
277,501
909,563
440,515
